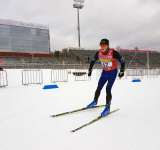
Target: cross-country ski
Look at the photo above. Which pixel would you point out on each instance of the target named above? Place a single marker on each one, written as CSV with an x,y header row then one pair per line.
x,y
78,110
98,118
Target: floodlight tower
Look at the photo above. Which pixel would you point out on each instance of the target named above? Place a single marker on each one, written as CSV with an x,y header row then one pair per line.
x,y
148,57
79,5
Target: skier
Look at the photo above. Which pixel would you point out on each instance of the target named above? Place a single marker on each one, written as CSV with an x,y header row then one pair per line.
x,y
107,57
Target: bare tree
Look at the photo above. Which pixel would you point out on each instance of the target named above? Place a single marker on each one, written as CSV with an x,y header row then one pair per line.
x,y
118,48
57,53
52,54
65,52
136,48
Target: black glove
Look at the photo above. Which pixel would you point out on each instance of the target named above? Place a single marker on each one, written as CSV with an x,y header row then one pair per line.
x,y
89,73
121,74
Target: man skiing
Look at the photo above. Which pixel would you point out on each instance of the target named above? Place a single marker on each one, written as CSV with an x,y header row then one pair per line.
x,y
107,57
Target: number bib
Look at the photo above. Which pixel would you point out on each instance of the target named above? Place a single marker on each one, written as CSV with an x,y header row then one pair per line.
x,y
106,64
107,60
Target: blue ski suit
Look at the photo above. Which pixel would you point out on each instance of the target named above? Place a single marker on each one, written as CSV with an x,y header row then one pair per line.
x,y
109,76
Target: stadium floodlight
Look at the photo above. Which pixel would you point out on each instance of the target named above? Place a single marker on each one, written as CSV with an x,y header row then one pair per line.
x,y
78,4
148,58
81,1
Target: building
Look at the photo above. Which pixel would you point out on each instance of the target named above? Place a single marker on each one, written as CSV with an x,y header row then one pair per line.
x,y
24,39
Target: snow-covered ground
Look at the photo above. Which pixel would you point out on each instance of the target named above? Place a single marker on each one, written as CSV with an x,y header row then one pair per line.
x,y
25,122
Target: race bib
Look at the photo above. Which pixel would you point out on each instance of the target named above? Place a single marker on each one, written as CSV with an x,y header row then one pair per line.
x,y
106,64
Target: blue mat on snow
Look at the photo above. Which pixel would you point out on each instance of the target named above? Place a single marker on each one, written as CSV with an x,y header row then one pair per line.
x,y
50,87
136,80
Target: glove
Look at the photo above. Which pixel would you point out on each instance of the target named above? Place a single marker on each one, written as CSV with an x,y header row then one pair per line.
x,y
121,74
89,73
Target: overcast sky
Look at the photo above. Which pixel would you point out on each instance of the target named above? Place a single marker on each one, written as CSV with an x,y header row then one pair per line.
x,y
126,23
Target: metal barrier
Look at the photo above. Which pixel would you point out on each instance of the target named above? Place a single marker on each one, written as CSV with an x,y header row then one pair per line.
x,y
81,75
135,73
158,71
3,78
48,66
152,73
32,77
59,75
59,66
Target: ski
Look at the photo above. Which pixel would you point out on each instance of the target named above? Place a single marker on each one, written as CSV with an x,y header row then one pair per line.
x,y
98,118
85,108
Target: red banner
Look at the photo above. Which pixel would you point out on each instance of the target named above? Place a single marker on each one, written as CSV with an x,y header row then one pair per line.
x,y
153,51
1,62
124,50
139,51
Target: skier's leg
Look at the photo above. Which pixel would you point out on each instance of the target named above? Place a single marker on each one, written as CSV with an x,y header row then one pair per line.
x,y
110,83
109,96
102,81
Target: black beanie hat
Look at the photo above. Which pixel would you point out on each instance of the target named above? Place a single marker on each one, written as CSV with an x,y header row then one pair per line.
x,y
104,41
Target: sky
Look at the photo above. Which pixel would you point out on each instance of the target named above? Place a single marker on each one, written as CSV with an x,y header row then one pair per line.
x,y
125,23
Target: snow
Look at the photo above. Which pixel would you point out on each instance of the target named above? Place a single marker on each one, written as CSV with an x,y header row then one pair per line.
x,y
25,122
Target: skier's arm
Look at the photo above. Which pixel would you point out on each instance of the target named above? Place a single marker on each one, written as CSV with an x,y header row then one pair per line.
x,y
93,61
120,59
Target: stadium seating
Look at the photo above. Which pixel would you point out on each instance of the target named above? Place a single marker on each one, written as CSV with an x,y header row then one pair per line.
x,y
131,58
38,60
85,56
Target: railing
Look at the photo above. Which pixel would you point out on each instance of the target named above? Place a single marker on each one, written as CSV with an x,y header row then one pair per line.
x,y
81,75
3,78
59,75
42,66
32,77
67,66
136,74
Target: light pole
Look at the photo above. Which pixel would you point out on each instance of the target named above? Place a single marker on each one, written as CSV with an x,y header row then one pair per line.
x,y
79,5
148,57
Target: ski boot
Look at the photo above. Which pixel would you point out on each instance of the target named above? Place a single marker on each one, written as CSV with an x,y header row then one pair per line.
x,y
92,104
106,110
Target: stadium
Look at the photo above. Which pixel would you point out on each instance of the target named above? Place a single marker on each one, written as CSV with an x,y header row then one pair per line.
x,y
24,39
36,87
27,45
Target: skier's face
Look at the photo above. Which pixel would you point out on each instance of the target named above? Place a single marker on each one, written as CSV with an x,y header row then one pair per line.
x,y
104,47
